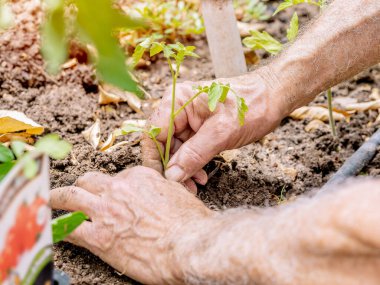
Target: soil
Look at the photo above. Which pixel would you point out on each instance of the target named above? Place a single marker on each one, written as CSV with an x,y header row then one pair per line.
x,y
286,163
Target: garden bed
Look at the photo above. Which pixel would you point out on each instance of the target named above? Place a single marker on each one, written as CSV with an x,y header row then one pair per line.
x,y
286,163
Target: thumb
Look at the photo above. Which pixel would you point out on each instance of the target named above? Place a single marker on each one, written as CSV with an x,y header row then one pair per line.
x,y
196,152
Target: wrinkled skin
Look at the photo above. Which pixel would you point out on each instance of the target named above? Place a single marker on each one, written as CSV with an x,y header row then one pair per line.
x,y
159,233
192,147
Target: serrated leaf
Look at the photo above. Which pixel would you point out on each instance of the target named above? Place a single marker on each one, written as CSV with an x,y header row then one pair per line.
x,y
263,40
53,146
154,131
6,154
217,93
242,109
292,31
53,36
137,54
156,48
5,168
66,224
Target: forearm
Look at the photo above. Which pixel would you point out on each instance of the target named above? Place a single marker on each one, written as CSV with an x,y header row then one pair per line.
x,y
341,42
232,248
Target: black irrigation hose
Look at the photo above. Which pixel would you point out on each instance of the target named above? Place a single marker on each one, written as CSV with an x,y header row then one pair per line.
x,y
357,161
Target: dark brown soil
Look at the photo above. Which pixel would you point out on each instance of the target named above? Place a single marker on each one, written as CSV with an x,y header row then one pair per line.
x,y
290,160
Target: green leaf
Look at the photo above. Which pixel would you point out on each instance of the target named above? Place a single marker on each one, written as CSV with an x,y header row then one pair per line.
x,y
66,224
154,131
292,31
97,20
18,148
137,54
53,35
242,109
289,3
156,48
6,154
264,41
53,146
30,166
5,168
128,129
217,93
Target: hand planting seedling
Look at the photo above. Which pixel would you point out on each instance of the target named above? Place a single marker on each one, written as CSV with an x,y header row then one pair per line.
x,y
216,92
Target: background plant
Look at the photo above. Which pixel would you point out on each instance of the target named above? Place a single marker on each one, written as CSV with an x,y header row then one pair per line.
x,y
263,40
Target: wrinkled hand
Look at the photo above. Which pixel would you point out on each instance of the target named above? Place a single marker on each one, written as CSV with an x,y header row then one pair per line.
x,y
200,134
133,223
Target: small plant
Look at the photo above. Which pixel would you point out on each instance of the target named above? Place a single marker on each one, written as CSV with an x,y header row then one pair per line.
x,y
167,21
263,40
252,10
175,55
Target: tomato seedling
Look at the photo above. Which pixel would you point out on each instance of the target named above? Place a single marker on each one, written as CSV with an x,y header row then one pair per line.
x,y
216,92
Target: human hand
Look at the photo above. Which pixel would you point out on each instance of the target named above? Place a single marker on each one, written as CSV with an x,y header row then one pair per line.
x,y
136,217
200,134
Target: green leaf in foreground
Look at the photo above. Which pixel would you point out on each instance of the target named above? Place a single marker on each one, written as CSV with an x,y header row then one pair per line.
x,y
217,93
292,31
5,168
18,148
263,40
53,35
53,146
6,154
242,109
66,224
97,21
30,166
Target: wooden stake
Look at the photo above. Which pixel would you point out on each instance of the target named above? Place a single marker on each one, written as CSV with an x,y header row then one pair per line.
x,y
223,38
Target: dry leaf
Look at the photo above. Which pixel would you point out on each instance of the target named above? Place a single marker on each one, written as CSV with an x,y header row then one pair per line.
x,y
137,123
92,134
113,148
316,113
13,121
18,136
375,94
70,63
109,141
109,94
230,155
364,106
315,125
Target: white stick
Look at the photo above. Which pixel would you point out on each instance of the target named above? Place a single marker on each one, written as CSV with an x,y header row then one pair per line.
x,y
223,38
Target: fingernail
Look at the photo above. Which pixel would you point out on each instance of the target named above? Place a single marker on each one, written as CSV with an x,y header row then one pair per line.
x,y
175,173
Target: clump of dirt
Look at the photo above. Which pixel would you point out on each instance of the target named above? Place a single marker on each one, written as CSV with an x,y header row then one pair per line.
x,y
286,163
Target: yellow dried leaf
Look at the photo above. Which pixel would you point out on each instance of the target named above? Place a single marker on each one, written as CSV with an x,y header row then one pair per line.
x,y
18,136
112,148
13,121
364,106
92,134
316,113
109,94
70,63
109,141
315,125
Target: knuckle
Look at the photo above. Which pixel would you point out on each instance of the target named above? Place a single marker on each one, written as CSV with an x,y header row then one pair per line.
x,y
68,194
193,155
